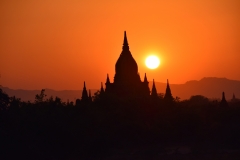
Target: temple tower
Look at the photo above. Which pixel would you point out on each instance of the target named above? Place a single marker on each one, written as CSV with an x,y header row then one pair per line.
x,y
154,91
84,94
127,81
168,98
223,102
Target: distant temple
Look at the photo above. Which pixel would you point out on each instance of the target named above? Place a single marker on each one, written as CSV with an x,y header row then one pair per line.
x,y
223,102
127,82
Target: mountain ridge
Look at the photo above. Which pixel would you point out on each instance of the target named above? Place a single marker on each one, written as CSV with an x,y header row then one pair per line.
x,y
211,87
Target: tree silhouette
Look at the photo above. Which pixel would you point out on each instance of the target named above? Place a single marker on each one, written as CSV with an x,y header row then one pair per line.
x,y
4,100
199,100
15,103
40,97
59,130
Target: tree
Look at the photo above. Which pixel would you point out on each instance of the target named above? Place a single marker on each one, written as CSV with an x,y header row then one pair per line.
x,y
57,101
198,100
177,99
40,97
15,102
4,100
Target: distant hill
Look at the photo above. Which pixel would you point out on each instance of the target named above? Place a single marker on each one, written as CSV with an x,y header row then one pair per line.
x,y
210,87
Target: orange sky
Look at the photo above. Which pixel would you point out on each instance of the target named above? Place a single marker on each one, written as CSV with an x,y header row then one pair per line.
x,y
58,44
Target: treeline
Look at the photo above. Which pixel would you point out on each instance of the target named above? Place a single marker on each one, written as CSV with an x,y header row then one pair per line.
x,y
66,130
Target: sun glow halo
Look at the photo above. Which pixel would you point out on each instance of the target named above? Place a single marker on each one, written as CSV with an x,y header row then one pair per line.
x,y
152,62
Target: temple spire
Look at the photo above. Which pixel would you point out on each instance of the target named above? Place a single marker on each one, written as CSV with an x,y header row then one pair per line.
x,y
84,93
168,95
125,42
145,78
234,99
223,102
102,90
108,80
154,90
84,85
223,96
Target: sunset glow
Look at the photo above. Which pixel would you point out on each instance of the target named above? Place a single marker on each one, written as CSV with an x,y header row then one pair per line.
x,y
59,44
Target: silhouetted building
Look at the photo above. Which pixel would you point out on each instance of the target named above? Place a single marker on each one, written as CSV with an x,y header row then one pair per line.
x,y
90,96
154,94
101,90
223,102
109,88
84,94
234,99
168,95
127,82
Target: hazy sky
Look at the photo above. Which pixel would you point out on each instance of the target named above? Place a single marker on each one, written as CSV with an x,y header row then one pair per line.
x,y
59,44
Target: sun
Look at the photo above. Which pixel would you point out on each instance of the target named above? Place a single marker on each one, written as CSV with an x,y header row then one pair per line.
x,y
152,62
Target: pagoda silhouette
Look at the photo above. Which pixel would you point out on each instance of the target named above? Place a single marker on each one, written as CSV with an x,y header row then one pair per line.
x,y
127,83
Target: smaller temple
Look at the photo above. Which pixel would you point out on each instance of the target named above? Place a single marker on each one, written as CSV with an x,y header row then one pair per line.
x,y
234,99
85,97
168,98
154,94
223,102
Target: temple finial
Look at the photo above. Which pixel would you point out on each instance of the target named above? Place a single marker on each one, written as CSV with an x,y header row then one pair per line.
x,y
125,41
125,38
168,84
84,93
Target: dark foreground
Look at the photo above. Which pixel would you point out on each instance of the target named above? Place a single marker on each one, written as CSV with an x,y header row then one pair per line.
x,y
129,130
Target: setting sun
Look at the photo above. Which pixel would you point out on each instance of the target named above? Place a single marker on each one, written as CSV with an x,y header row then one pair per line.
x,y
152,62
